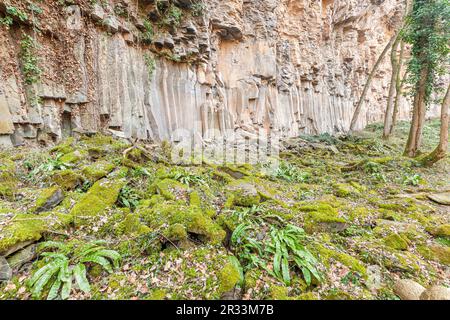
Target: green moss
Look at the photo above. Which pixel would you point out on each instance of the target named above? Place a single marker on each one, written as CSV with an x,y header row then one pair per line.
x,y
157,294
322,217
67,179
440,231
237,171
390,215
64,147
194,199
279,292
74,157
168,188
229,277
176,232
101,195
97,170
222,176
344,190
307,296
352,263
251,277
165,215
131,225
397,241
30,227
44,196
336,294
243,194
436,253
8,180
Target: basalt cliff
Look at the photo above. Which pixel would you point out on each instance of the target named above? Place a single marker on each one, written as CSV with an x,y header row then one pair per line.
x,y
146,68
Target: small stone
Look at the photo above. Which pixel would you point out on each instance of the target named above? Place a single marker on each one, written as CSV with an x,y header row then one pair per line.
x,y
436,293
5,270
374,277
23,256
49,199
408,289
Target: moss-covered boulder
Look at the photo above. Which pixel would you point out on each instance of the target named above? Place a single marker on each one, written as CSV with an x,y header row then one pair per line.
x,y
74,156
442,230
344,190
397,241
67,179
64,147
102,195
97,170
173,217
48,199
322,217
168,188
131,225
242,193
326,254
19,227
229,277
436,252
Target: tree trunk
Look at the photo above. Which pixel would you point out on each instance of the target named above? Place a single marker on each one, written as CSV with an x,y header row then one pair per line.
x,y
390,118
418,118
389,114
441,150
368,82
398,88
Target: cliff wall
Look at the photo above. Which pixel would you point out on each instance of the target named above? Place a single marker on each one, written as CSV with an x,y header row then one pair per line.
x,y
149,67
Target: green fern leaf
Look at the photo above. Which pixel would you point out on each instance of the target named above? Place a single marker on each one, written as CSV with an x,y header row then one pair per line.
x,y
99,260
79,271
66,288
53,293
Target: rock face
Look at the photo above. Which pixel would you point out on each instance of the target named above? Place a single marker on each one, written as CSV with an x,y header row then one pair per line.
x,y
278,66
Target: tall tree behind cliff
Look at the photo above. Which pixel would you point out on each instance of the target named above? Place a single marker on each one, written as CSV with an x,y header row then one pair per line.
x,y
428,31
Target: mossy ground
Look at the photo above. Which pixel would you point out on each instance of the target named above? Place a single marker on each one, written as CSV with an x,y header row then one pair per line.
x,y
361,203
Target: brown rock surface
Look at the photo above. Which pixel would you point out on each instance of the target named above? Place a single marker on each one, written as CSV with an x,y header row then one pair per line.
x,y
287,67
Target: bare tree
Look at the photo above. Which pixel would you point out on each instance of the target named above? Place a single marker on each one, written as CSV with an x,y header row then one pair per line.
x,y
398,88
390,115
357,111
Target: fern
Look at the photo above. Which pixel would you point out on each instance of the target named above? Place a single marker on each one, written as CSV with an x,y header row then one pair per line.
x,y
283,248
287,248
66,264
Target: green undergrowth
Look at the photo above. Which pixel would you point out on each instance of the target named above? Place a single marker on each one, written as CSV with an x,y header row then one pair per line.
x,y
313,228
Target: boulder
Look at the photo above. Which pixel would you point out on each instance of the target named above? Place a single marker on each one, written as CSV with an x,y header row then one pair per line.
x,y
243,194
436,293
48,199
374,277
5,270
23,256
408,289
101,196
441,198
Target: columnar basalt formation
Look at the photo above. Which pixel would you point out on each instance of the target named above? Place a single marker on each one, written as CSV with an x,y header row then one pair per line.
x,y
148,69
